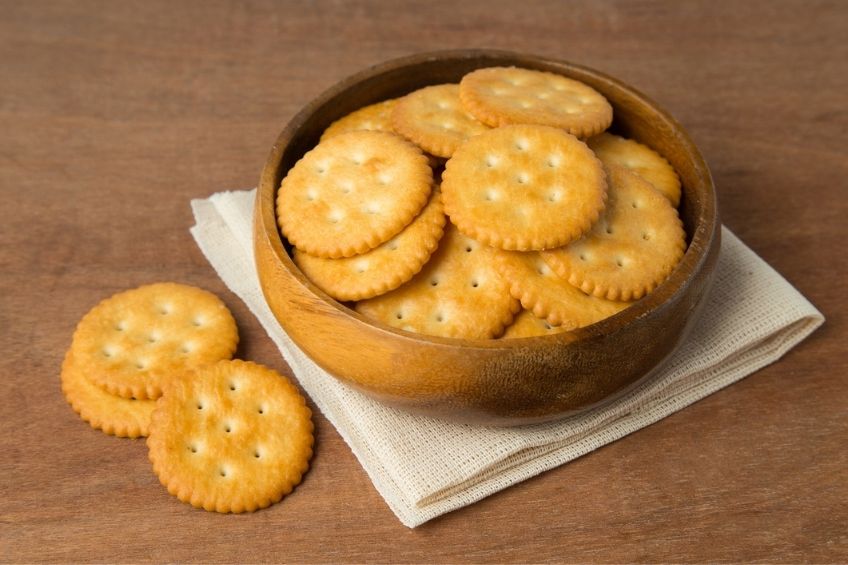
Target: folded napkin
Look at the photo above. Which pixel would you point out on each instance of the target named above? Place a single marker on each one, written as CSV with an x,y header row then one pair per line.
x,y
425,467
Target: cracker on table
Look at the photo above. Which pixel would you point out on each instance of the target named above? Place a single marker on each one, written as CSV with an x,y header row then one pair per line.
x,y
132,343
353,192
433,118
633,247
114,415
458,293
524,187
641,159
526,324
499,96
233,436
375,117
385,267
550,297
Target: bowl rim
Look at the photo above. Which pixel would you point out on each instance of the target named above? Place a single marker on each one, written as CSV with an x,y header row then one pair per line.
x,y
694,258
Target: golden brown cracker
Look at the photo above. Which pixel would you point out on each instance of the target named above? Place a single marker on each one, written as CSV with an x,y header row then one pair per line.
x,y
433,118
353,192
526,324
374,117
114,415
641,159
631,249
524,187
231,437
550,297
458,294
499,96
132,343
385,267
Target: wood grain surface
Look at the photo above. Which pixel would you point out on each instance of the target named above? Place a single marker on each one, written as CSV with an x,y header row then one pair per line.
x,y
113,115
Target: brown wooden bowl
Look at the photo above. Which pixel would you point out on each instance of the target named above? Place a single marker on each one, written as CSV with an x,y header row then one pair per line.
x,y
497,382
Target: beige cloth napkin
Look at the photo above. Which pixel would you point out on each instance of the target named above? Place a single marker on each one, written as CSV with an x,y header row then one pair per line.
x,y
424,467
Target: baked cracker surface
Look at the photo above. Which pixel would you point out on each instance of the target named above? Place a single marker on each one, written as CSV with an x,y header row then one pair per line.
x,y
374,117
233,436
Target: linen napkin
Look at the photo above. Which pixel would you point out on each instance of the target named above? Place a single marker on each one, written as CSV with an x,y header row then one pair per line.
x,y
425,467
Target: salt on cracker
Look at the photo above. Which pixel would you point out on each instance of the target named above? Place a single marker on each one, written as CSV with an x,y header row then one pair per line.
x,y
433,118
524,187
631,249
498,96
132,343
353,192
550,297
231,437
385,267
375,117
114,415
458,294
526,324
641,159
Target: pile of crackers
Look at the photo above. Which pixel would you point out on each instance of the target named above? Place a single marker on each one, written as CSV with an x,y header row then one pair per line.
x,y
496,207
156,361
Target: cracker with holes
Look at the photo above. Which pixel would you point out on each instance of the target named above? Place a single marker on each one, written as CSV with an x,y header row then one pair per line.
x,y
499,96
631,249
524,188
233,436
641,159
132,343
353,192
375,117
526,324
433,118
114,415
384,268
457,294
550,297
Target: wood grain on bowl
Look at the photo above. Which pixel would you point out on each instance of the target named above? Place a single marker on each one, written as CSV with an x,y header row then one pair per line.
x,y
498,382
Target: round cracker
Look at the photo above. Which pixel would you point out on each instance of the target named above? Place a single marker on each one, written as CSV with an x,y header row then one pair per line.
x,y
631,249
524,187
375,117
641,159
132,343
114,415
458,293
385,267
353,192
526,324
499,96
433,118
231,437
550,297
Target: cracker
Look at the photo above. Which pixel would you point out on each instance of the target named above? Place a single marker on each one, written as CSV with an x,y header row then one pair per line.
x,y
633,247
231,437
550,297
132,343
353,192
459,293
641,159
498,96
385,267
524,187
433,118
526,324
114,415
375,117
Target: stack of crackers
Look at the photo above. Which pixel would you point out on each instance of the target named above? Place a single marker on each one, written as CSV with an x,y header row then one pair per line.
x,y
223,434
496,207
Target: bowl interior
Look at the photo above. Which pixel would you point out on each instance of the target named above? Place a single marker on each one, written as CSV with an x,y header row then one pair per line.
x,y
635,116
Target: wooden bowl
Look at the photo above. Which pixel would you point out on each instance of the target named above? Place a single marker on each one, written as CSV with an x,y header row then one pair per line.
x,y
495,382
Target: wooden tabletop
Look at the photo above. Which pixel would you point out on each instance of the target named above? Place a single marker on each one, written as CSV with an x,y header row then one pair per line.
x,y
113,115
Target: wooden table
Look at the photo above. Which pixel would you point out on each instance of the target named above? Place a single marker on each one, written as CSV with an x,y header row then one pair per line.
x,y
114,115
